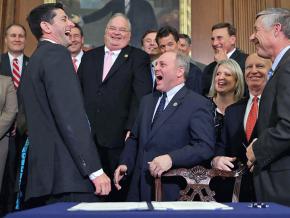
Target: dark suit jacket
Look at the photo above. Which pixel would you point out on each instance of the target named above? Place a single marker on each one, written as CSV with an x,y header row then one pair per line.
x,y
193,80
233,140
62,153
112,105
141,16
5,68
238,56
184,130
272,149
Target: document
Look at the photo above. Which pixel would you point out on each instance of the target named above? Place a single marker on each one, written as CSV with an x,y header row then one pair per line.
x,y
189,205
110,206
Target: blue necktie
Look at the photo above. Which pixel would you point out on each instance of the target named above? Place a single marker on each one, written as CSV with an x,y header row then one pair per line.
x,y
160,107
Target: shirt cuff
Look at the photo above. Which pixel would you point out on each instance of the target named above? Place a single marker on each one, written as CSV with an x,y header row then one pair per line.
x,y
94,175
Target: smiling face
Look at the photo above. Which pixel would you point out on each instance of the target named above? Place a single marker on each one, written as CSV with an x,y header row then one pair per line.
x,y
15,39
117,33
77,41
58,29
256,72
184,46
225,81
149,44
221,40
168,73
263,38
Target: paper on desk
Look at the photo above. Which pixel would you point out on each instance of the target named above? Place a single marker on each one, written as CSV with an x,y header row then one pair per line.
x,y
189,205
110,206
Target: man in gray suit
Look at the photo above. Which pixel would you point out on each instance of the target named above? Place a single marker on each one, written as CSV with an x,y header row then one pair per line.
x,y
269,154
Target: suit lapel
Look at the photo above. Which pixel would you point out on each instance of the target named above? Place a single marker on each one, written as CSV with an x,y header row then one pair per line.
x,y
122,57
175,102
98,62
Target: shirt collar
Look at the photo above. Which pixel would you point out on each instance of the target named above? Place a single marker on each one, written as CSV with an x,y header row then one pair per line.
x,y
279,57
11,57
171,93
231,52
116,52
79,55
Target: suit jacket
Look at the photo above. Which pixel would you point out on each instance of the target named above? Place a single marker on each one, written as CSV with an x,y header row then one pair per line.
x,y
5,68
272,151
193,80
61,153
8,110
140,14
184,130
112,105
238,56
233,140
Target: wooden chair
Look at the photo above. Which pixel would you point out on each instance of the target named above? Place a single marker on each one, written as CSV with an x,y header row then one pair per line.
x,y
198,179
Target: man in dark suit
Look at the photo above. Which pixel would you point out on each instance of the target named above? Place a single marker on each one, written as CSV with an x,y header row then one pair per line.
x,y
15,37
236,132
223,41
139,12
114,77
171,131
63,163
167,39
269,154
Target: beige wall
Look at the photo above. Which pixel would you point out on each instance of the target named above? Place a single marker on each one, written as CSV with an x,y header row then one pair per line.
x,y
204,14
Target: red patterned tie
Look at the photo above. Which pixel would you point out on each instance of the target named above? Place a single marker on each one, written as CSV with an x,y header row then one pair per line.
x,y
16,73
252,118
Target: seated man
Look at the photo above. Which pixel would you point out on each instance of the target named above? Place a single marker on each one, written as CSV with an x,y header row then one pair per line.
x,y
172,130
238,128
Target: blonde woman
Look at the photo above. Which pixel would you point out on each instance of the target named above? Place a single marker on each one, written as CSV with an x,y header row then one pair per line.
x,y
227,87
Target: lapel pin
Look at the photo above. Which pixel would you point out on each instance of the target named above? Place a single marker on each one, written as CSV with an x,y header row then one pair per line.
x,y
175,104
126,56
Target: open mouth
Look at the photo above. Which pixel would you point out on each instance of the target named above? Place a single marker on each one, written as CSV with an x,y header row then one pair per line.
x,y
159,77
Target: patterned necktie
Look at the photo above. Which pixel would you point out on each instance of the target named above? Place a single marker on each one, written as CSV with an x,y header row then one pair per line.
x,y
252,118
108,62
270,73
75,64
16,73
160,107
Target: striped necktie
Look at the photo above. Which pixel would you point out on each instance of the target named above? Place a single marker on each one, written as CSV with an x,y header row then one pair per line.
x,y
16,72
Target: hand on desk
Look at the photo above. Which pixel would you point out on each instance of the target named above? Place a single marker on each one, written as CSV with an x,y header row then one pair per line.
x,y
223,163
159,165
102,184
120,172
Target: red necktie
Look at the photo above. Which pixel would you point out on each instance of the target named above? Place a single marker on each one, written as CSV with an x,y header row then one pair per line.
x,y
16,73
252,118
75,64
108,62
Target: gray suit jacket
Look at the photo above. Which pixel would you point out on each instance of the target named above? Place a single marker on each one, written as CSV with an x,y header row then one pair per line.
x,y
272,149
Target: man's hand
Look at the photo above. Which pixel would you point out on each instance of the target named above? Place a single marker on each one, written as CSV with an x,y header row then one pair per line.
x,y
119,174
223,163
102,184
251,156
159,165
220,54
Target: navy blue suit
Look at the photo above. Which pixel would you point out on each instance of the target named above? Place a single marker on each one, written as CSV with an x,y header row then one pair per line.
x,y
184,130
193,80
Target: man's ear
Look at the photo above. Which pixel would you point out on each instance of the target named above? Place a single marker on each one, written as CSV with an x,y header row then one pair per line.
x,y
45,26
233,39
180,72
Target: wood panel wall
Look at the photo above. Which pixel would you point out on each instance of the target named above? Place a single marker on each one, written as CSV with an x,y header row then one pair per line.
x,y
204,13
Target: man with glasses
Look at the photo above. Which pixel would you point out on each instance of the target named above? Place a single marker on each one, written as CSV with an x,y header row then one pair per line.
x,y
114,77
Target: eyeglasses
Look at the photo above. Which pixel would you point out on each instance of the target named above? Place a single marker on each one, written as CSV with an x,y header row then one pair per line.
x,y
122,30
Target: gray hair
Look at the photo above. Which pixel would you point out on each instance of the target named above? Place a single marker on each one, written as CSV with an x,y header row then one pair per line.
x,y
183,61
235,69
272,16
120,15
